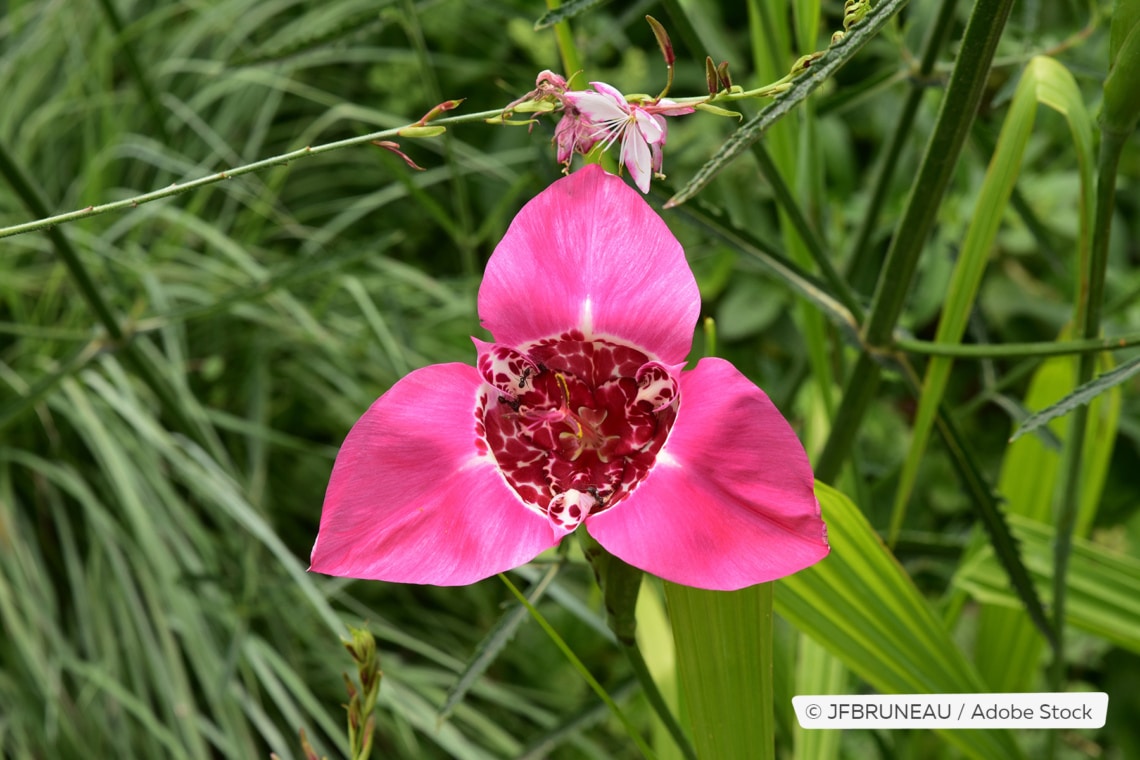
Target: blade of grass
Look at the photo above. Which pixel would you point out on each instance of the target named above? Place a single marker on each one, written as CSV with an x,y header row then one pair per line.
x,y
967,83
724,658
1046,81
861,605
583,671
1104,586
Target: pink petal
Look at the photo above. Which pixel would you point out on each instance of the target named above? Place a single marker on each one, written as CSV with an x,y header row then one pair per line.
x,y
636,158
729,502
669,108
597,107
588,253
652,127
412,500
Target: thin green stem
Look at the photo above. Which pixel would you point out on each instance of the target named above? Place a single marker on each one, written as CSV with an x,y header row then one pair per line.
x,y
1017,350
578,665
862,267
989,513
146,89
804,229
182,187
1090,302
132,355
657,701
567,50
963,94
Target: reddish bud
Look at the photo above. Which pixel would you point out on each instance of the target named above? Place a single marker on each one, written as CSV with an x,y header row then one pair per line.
x,y
446,105
712,77
723,75
395,148
663,40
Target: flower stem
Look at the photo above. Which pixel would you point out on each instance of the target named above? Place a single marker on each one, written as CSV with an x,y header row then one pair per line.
x,y
657,700
567,50
581,668
862,268
279,160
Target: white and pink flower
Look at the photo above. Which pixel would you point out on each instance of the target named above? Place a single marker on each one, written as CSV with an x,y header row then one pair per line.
x,y
604,114
578,414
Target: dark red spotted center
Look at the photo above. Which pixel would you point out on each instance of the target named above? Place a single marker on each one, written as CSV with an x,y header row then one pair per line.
x,y
573,423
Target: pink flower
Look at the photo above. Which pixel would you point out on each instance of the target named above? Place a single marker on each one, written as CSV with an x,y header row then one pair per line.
x,y
606,115
578,413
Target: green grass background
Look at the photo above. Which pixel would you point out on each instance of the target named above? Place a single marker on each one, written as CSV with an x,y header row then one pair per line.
x,y
160,492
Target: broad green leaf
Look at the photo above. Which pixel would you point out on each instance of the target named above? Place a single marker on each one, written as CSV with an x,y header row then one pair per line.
x,y
1009,658
861,605
724,655
1045,81
565,12
1104,587
655,638
818,671
1080,396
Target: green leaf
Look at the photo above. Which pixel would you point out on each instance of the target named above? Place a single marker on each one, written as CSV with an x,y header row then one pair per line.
x,y
1082,395
1009,658
861,605
724,655
1104,587
1045,81
565,12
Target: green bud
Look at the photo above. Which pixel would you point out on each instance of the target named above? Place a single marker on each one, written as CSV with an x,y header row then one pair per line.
x,y
717,110
428,131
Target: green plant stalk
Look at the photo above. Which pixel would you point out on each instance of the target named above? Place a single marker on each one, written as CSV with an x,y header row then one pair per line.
x,y
963,94
135,359
806,232
621,585
137,71
567,50
657,700
1090,303
460,197
579,666
860,267
1017,350
178,188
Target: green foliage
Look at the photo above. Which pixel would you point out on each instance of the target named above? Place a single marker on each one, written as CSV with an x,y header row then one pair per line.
x,y
175,377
